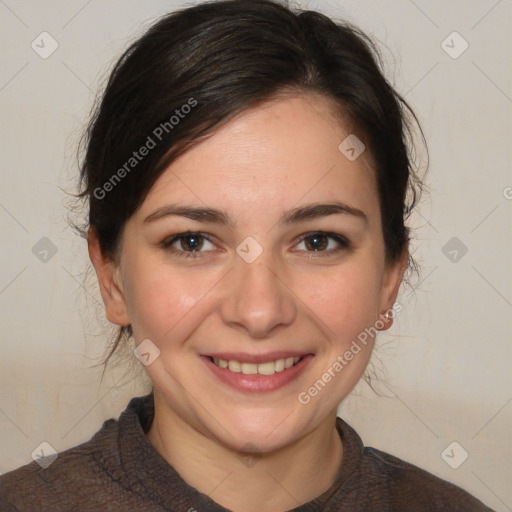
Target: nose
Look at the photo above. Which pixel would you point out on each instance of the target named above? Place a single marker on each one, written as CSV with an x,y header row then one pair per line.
x,y
257,299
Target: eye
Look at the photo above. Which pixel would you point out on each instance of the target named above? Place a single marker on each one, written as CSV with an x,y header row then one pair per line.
x,y
188,244
317,244
325,244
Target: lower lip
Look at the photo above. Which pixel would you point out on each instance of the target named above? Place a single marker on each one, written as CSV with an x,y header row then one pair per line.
x,y
258,383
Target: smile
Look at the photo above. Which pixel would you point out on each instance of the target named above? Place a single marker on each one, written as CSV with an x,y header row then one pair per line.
x,y
266,368
257,373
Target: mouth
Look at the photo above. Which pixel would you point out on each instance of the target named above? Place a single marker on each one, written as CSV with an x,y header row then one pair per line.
x,y
257,373
265,368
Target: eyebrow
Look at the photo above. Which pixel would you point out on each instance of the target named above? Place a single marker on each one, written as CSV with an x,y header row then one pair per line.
x,y
295,215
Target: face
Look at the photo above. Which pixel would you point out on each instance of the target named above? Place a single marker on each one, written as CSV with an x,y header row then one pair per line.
x,y
260,247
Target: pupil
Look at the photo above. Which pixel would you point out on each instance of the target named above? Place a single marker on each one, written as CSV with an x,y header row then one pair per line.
x,y
317,242
193,242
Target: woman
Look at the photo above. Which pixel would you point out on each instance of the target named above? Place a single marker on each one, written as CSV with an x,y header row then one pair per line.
x,y
248,178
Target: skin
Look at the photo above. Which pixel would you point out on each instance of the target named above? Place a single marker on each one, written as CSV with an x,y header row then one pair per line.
x,y
268,160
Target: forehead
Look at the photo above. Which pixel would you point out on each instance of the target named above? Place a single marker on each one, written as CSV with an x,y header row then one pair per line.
x,y
277,154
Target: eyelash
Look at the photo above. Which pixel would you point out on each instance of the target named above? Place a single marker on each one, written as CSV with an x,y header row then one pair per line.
x,y
343,242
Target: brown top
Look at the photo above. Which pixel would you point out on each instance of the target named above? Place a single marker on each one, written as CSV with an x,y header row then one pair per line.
x,y
119,470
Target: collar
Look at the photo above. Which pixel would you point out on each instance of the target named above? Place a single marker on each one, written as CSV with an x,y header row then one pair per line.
x,y
141,469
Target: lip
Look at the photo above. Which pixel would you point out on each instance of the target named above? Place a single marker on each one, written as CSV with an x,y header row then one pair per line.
x,y
257,383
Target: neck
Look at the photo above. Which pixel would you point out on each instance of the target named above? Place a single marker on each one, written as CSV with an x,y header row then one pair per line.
x,y
286,478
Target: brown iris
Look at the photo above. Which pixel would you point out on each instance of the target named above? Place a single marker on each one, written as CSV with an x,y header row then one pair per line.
x,y
316,242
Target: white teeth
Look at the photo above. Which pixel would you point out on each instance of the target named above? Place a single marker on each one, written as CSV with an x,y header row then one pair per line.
x,y
249,368
268,368
279,364
235,366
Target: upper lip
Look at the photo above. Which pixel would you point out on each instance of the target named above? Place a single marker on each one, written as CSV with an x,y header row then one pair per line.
x,y
243,357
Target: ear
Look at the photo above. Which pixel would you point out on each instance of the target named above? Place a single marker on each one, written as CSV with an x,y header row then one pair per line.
x,y
393,277
111,289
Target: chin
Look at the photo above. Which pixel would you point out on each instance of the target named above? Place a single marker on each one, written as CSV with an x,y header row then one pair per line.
x,y
260,430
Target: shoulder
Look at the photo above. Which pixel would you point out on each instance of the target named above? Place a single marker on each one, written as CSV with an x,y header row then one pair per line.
x,y
411,488
59,482
384,482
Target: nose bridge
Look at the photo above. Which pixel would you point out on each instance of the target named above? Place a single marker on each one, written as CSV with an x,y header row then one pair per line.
x,y
258,300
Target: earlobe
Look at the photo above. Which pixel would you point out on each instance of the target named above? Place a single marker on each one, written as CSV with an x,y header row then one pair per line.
x,y
392,281
109,282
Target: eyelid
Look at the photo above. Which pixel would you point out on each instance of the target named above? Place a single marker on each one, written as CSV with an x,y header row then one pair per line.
x,y
177,236
343,243
335,236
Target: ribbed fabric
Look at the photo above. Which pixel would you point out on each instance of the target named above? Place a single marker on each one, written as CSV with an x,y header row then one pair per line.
x,y
118,470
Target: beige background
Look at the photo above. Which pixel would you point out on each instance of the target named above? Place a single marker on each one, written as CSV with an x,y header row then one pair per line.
x,y
447,360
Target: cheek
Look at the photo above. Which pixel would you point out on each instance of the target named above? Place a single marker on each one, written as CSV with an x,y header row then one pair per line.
x,y
164,303
167,303
346,300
